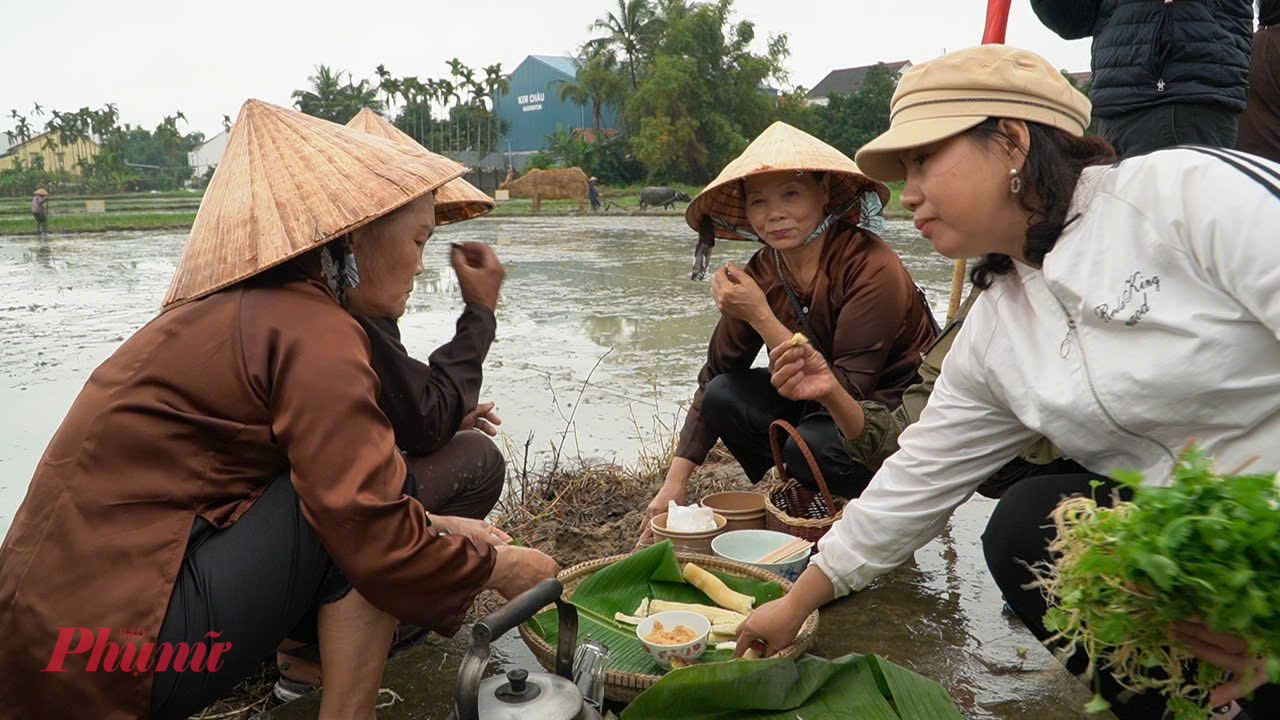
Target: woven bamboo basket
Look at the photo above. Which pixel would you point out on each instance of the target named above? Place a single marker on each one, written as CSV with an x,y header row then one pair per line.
x,y
791,507
627,686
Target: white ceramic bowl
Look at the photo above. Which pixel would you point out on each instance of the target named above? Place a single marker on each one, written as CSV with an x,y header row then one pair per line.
x,y
746,546
690,651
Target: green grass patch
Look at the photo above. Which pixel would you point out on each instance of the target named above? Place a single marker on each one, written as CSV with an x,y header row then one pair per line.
x,y
100,222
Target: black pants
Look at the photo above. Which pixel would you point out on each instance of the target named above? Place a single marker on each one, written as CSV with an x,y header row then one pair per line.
x,y
1020,532
1168,124
740,407
264,578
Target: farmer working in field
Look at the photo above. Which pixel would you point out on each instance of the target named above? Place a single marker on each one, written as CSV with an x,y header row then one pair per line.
x,y
818,274
229,470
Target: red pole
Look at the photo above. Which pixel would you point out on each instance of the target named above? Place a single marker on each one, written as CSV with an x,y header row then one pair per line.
x,y
997,21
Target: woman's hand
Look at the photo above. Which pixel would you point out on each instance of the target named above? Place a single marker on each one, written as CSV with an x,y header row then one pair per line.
x,y
480,275
480,532
772,627
669,491
1229,652
801,373
482,418
738,296
519,568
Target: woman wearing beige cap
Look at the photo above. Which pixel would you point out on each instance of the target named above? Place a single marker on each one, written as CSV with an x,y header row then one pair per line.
x,y
820,274
1128,308
227,478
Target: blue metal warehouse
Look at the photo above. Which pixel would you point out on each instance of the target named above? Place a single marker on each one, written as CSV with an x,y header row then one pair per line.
x,y
533,107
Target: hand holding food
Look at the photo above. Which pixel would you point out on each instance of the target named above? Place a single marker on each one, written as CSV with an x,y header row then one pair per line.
x,y
738,296
800,372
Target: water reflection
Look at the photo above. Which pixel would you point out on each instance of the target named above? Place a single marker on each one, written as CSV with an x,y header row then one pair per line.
x,y
576,289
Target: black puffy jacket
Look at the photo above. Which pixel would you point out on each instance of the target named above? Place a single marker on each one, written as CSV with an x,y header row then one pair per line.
x,y
1147,52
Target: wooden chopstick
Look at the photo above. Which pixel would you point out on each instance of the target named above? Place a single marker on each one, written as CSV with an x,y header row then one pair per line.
x,y
786,551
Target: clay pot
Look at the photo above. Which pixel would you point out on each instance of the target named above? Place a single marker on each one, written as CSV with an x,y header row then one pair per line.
x,y
695,542
742,510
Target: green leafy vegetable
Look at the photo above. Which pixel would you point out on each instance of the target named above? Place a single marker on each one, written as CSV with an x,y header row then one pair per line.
x,y
1206,545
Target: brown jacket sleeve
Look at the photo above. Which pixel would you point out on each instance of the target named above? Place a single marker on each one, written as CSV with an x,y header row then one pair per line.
x,y
878,297
733,347
426,402
309,361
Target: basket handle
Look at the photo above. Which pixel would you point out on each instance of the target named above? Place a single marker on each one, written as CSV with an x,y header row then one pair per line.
x,y
808,456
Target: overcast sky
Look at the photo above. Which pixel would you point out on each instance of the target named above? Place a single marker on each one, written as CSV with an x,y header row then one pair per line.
x,y
152,58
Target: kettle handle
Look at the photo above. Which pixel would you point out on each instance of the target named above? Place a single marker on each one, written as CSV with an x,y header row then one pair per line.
x,y
523,607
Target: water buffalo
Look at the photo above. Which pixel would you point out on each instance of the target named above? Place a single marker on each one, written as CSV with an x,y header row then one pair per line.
x,y
665,196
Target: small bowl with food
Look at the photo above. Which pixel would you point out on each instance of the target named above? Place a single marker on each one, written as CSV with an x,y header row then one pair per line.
x,y
674,634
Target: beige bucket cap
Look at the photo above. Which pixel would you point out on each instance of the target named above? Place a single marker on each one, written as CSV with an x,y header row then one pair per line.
x,y
456,200
780,147
952,93
289,182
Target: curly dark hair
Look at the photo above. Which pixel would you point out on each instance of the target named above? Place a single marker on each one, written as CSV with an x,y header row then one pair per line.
x,y
1049,178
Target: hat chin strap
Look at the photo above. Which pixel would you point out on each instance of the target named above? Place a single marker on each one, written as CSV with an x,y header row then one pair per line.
x,y
823,226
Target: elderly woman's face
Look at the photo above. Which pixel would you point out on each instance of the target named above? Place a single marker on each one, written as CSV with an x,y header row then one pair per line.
x,y
389,256
784,207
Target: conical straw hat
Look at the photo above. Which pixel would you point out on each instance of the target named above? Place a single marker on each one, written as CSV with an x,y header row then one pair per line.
x,y
457,200
781,147
42,191
287,183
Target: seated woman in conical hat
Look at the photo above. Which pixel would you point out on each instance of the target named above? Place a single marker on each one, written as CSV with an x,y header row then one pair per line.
x,y
434,409
226,479
819,274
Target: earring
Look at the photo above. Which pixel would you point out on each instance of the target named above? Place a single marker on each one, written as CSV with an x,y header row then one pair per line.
x,y
1015,182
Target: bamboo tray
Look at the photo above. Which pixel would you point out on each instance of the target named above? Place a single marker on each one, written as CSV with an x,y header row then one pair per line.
x,y
626,686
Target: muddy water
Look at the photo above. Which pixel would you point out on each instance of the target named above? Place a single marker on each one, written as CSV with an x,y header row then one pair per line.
x,y
600,336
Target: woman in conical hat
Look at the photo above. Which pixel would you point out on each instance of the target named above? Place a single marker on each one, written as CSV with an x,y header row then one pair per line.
x,y
434,409
818,274
226,478
1127,309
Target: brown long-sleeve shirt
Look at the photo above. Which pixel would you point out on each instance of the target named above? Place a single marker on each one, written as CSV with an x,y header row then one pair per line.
x,y
194,415
1260,122
426,402
865,310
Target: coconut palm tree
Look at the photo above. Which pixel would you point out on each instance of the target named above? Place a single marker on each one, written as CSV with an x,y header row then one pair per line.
x,y
445,89
457,71
495,84
628,29
598,83
320,99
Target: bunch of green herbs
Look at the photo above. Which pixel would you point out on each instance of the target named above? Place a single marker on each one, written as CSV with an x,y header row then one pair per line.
x,y
1206,545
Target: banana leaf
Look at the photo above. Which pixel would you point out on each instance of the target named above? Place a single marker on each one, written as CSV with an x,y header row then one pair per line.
x,y
866,687
652,572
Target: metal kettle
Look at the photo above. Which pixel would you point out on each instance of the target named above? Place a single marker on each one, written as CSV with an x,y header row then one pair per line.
x,y
520,694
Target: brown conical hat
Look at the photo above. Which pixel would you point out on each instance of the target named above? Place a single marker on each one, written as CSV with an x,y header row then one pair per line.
x,y
780,147
287,183
457,200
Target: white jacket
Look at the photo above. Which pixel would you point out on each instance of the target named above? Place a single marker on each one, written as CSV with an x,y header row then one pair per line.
x,y
1155,320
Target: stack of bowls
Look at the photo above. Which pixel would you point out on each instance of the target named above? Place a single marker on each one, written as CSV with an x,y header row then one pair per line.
x,y
741,509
